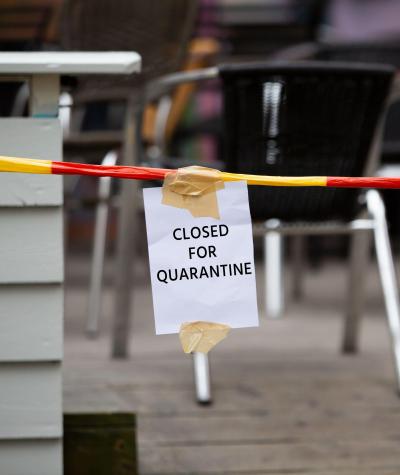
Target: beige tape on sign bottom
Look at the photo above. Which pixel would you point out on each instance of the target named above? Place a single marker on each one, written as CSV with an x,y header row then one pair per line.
x,y
194,189
202,336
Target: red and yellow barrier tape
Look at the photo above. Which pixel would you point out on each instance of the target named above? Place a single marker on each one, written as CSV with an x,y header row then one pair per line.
x,y
27,165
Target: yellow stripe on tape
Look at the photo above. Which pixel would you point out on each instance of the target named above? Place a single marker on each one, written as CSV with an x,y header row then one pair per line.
x,y
25,165
276,180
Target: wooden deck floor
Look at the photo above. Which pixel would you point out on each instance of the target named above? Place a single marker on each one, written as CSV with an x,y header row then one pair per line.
x,y
285,400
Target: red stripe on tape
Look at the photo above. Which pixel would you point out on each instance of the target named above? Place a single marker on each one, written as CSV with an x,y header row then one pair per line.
x,y
116,171
360,182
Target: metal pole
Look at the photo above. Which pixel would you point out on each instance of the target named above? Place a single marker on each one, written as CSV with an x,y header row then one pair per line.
x,y
359,248
126,243
387,274
202,377
99,245
298,265
273,270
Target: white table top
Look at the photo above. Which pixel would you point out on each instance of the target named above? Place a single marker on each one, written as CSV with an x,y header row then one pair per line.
x,y
115,62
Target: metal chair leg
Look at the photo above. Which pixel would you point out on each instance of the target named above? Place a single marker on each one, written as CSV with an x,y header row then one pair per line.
x,y
273,264
387,273
359,249
202,378
99,245
298,260
126,241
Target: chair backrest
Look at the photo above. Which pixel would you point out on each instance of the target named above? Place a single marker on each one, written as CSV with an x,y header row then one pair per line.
x,y
383,52
157,30
308,118
376,52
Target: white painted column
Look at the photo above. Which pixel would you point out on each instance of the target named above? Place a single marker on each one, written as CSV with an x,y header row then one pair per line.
x,y
31,263
31,294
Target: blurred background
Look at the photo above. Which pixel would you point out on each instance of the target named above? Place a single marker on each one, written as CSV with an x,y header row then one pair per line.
x,y
220,31
282,391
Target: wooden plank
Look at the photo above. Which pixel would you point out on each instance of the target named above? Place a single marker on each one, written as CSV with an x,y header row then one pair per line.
x,y
30,400
31,245
176,402
33,457
314,457
355,471
30,138
31,322
320,373
273,427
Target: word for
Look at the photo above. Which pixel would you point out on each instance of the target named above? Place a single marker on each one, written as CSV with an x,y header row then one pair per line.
x,y
202,251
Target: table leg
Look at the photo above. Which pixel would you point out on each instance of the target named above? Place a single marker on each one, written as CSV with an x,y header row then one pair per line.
x,y
44,96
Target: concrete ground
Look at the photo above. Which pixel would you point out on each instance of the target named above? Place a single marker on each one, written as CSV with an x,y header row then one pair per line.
x,y
285,400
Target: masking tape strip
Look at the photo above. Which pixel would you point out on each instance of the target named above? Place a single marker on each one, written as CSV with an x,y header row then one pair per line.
x,y
201,336
194,189
25,165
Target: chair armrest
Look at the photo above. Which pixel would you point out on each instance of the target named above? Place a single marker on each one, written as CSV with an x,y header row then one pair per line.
x,y
160,91
163,85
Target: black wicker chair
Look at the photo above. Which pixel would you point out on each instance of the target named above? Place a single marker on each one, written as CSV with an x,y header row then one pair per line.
x,y
377,52
381,52
302,119
310,118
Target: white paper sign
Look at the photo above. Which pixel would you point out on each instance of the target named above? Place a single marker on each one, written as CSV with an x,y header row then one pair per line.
x,y
202,268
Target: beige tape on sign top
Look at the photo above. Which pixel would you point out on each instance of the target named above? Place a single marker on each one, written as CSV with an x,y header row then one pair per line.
x,y
201,336
195,189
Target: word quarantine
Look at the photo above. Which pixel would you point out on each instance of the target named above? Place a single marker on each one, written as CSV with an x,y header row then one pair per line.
x,y
209,271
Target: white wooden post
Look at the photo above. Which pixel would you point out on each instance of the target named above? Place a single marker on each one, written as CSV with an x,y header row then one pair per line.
x,y
31,303
31,264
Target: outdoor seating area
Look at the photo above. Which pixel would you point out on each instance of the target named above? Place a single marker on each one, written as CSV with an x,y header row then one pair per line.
x,y
200,216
